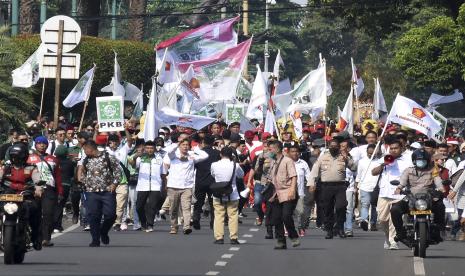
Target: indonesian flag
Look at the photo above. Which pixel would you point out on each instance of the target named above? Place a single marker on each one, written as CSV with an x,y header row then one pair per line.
x,y
407,112
218,76
357,81
169,116
346,118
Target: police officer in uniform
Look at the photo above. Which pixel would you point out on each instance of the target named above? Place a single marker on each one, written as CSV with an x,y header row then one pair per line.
x,y
330,170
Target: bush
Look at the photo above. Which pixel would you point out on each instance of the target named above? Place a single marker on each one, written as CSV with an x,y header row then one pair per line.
x,y
136,59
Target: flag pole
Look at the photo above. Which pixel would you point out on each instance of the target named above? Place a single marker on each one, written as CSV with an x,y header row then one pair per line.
x,y
42,99
87,101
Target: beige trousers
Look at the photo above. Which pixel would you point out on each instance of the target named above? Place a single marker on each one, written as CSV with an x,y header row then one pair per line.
x,y
183,198
384,217
121,202
220,209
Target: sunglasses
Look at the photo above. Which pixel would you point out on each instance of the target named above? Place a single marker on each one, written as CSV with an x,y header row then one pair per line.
x,y
24,140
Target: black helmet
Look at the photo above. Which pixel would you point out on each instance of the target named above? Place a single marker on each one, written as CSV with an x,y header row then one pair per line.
x,y
18,153
421,158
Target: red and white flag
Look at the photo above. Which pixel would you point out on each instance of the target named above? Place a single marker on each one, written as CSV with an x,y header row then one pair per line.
x,y
346,121
357,81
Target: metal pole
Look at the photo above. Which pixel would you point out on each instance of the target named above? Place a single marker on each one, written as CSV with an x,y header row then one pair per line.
x,y
74,8
43,11
113,20
42,99
61,27
245,29
14,17
267,19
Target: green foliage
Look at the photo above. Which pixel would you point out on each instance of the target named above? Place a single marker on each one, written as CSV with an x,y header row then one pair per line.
x,y
136,60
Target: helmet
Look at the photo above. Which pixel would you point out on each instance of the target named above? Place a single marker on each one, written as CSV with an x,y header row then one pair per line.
x,y
18,153
421,158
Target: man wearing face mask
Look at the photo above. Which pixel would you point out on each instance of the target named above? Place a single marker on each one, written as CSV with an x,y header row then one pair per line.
x,y
330,169
421,180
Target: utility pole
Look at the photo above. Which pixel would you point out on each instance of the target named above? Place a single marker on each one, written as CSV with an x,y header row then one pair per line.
x,y
14,17
43,12
267,23
61,28
245,28
74,8
113,20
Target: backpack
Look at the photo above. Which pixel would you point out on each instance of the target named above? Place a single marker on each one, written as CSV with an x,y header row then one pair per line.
x,y
223,188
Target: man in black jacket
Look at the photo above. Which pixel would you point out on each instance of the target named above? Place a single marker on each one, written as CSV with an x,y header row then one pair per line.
x,y
203,179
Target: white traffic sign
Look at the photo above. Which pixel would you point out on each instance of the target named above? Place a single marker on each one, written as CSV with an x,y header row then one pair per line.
x,y
71,33
70,65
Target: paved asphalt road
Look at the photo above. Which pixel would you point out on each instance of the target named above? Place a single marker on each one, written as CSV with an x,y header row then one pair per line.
x,y
158,253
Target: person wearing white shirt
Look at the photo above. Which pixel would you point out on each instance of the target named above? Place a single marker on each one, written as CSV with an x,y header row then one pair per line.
x,y
303,207
390,169
450,163
60,135
121,154
180,162
223,171
360,152
151,182
366,184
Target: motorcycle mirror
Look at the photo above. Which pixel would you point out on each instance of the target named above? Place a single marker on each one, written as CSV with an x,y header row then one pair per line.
x,y
395,182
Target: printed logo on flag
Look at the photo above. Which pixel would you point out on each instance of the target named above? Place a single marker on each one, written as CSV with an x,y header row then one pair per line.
x,y
418,113
110,113
111,110
212,71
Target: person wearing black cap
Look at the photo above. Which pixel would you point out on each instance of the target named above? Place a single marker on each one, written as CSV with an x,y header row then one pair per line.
x,y
235,127
203,180
330,170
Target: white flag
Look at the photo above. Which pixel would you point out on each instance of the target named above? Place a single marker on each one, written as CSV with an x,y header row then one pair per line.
x,y
150,128
166,68
81,91
436,99
139,107
357,81
118,87
279,61
270,122
346,121
170,116
258,99
407,112
379,105
308,94
167,95
27,74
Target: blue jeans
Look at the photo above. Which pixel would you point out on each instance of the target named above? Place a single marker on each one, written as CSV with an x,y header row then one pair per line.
x,y
257,199
98,204
349,210
456,226
365,203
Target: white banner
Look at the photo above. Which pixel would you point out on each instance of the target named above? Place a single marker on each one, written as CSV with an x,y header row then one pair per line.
x,y
169,116
110,113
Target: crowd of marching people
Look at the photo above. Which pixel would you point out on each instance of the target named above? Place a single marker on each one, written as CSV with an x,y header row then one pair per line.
x,y
117,181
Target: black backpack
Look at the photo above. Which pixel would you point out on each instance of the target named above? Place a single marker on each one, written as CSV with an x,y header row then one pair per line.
x,y
224,188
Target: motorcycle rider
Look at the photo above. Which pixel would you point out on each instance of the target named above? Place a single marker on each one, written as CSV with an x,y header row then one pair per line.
x,y
17,176
421,180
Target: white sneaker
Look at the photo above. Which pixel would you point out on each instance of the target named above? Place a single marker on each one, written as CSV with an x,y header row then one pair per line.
x,y
162,212
124,227
386,245
56,231
393,246
149,229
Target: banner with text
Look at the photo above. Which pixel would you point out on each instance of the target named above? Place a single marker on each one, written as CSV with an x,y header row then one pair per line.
x,y
110,113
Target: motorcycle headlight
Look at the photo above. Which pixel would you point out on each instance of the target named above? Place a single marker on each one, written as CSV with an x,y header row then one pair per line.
x,y
421,205
10,208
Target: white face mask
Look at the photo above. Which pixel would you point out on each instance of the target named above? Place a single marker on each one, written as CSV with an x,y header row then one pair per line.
x,y
158,148
421,164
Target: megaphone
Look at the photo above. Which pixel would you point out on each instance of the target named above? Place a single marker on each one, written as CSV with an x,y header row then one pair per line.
x,y
389,159
245,193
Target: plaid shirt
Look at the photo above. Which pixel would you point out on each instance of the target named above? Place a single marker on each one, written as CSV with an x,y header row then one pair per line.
x,y
97,176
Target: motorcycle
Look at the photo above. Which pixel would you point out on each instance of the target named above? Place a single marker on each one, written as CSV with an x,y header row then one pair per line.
x,y
15,231
418,223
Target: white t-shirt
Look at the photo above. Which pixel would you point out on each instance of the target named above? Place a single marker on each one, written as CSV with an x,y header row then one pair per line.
x,y
358,153
222,171
367,181
121,153
392,172
303,175
150,171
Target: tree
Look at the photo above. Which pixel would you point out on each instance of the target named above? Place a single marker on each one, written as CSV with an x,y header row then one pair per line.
x,y
90,8
137,24
29,16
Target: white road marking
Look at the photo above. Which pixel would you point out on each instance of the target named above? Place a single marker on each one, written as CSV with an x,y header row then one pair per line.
x,y
212,273
247,236
418,266
220,263
254,229
227,256
242,241
234,249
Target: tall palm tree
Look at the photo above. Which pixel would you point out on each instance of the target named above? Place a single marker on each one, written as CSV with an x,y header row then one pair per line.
x,y
29,16
137,24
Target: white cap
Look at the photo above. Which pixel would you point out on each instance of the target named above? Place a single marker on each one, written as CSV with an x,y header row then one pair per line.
x,y
416,145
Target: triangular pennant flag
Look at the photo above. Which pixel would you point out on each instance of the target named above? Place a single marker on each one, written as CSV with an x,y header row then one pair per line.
x,y
346,121
379,105
81,91
258,99
357,81
27,74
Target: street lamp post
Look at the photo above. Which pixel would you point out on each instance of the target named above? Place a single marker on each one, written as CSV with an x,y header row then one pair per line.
x,y
267,25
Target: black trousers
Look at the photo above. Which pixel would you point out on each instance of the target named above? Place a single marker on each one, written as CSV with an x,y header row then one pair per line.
x,y
333,199
58,217
201,192
98,204
282,215
147,206
49,204
401,207
75,200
